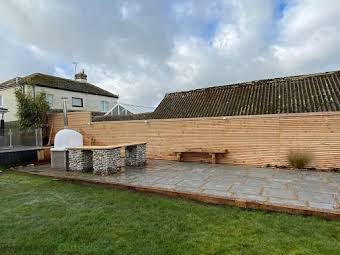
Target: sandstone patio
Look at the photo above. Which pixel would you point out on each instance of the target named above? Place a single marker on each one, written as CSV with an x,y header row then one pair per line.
x,y
293,191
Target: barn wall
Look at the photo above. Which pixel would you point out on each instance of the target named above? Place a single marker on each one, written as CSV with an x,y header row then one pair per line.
x,y
253,140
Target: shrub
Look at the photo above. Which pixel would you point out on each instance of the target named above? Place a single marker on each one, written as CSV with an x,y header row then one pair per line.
x,y
299,159
32,110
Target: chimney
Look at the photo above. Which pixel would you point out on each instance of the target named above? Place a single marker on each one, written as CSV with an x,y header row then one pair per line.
x,y
82,77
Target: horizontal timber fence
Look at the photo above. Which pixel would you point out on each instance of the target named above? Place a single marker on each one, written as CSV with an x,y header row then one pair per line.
x,y
253,140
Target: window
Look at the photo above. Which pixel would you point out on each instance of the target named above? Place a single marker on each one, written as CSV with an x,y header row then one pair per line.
x,y
49,100
1,103
104,106
77,102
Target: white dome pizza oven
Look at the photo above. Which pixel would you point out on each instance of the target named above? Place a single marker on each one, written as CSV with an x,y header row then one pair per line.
x,y
64,139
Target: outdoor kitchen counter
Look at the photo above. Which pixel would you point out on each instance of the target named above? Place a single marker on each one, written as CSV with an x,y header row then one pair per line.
x,y
106,147
105,160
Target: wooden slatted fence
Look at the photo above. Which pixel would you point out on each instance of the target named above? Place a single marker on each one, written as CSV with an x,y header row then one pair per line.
x,y
253,140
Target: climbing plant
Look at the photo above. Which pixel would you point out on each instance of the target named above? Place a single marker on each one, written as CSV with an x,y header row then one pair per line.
x,y
31,110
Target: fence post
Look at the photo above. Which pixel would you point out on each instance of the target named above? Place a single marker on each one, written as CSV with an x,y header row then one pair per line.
x,y
10,138
36,137
40,137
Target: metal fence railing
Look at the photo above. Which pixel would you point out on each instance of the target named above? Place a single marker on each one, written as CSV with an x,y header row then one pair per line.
x,y
14,137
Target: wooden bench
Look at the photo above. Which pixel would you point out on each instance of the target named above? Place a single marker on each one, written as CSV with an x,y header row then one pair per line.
x,y
212,152
105,159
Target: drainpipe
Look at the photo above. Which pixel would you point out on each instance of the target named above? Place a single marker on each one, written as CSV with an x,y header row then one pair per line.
x,y
2,123
2,126
65,111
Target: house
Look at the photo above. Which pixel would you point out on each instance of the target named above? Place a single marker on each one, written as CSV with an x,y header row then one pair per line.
x,y
295,94
81,95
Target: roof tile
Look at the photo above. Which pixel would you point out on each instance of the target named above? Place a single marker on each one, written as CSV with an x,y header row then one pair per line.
x,y
50,81
295,94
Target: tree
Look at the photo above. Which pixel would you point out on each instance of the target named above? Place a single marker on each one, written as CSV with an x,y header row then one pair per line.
x,y
31,111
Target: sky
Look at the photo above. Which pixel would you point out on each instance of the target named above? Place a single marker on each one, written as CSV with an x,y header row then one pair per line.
x,y
142,50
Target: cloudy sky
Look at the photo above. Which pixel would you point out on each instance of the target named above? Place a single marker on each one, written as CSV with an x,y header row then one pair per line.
x,y
144,49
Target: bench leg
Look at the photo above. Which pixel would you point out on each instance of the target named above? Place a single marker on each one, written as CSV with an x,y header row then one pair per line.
x,y
213,158
106,162
135,155
80,161
178,156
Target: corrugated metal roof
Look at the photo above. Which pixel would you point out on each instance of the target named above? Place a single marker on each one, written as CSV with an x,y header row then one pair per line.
x,y
295,94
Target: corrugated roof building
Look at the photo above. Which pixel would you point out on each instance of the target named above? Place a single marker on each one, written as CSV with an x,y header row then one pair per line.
x,y
295,94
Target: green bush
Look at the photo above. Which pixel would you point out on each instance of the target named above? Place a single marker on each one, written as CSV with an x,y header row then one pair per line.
x,y
32,110
299,159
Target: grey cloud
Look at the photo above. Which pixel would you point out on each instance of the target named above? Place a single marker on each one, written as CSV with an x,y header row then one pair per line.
x,y
143,49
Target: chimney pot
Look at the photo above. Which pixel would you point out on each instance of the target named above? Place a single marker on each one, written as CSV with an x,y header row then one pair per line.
x,y
82,77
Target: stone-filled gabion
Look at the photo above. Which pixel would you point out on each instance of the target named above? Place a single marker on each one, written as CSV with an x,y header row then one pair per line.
x,y
135,155
80,160
106,162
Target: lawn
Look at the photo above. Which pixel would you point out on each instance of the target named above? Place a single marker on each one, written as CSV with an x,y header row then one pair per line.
x,y
45,216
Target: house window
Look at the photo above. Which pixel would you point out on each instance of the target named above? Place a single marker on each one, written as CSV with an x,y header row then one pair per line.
x,y
49,99
77,102
104,106
1,103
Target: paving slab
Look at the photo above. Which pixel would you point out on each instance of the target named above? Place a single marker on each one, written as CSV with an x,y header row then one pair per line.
x,y
279,193
313,186
317,197
317,193
217,185
246,189
264,183
190,183
322,205
169,181
283,201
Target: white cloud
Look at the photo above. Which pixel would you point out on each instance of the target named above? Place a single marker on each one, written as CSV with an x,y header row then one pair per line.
x,y
58,71
141,50
183,9
129,10
187,59
227,38
308,36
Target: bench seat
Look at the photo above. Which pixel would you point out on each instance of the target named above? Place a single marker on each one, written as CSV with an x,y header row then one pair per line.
x,y
212,152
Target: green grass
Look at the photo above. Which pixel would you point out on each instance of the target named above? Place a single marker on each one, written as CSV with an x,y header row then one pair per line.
x,y
44,216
